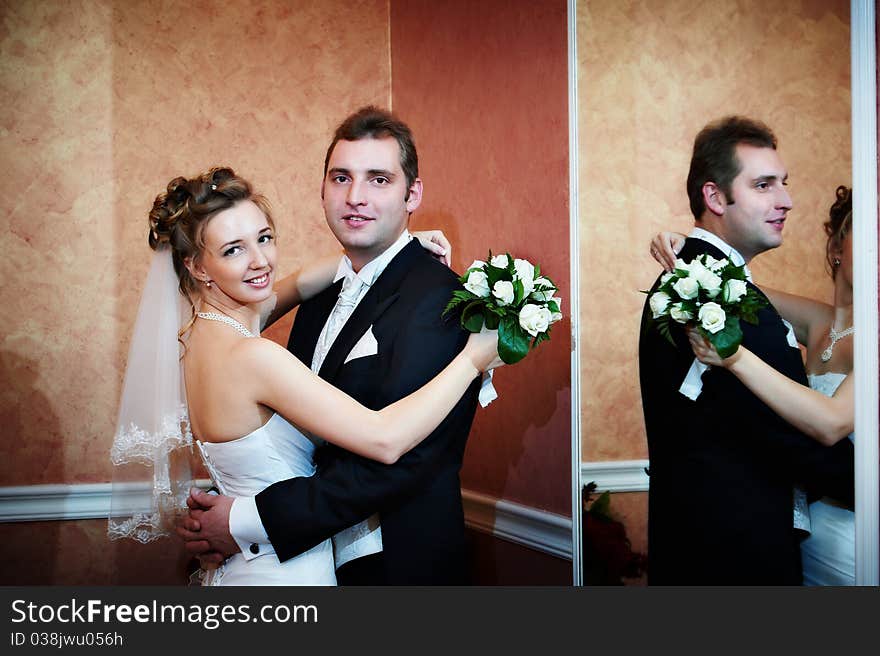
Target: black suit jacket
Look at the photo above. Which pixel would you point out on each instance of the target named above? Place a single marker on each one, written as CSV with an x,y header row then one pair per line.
x,y
722,467
419,497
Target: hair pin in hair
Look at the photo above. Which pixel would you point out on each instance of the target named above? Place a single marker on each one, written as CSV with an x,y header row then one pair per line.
x,y
213,187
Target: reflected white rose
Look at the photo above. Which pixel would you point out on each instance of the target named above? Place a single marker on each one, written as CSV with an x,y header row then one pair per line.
x,y
503,291
477,283
679,313
534,319
687,287
712,317
658,303
734,290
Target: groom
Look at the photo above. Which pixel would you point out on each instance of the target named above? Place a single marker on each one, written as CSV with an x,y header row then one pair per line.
x,y
723,466
378,339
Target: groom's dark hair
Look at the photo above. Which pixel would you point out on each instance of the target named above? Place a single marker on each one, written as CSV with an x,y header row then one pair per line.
x,y
714,158
372,122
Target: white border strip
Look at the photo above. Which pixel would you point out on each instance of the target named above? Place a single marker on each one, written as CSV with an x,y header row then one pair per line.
x,y
574,257
530,527
616,475
864,157
40,503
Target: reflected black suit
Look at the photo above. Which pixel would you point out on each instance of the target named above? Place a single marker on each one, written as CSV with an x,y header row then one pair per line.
x,y
723,467
419,497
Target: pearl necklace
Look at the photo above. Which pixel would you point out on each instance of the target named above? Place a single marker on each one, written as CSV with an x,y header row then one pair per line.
x,y
834,335
229,321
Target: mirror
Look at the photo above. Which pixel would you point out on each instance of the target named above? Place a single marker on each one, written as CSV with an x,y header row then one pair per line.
x,y
647,80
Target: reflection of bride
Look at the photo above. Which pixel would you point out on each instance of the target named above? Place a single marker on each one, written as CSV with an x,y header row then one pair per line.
x,y
825,412
245,393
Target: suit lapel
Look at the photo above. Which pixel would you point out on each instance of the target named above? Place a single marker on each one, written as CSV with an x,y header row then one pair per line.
x,y
310,319
373,305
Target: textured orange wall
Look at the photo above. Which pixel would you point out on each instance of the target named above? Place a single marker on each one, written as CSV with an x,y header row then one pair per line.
x,y
486,95
641,102
101,103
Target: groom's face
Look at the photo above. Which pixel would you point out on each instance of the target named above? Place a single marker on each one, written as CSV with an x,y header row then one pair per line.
x,y
755,214
366,198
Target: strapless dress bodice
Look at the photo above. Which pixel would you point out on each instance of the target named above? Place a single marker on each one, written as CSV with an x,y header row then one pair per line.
x,y
243,467
829,553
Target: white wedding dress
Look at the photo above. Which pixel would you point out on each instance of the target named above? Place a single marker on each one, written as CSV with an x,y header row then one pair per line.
x,y
829,553
243,467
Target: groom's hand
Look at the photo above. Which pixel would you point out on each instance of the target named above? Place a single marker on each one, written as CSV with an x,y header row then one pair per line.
x,y
205,530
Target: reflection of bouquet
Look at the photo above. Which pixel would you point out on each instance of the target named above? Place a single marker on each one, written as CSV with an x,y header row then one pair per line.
x,y
715,293
511,296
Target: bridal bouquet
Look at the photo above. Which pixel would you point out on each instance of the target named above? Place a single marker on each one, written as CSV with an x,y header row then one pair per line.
x,y
509,295
711,292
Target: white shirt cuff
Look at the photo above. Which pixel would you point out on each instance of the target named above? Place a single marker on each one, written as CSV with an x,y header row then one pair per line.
x,y
246,527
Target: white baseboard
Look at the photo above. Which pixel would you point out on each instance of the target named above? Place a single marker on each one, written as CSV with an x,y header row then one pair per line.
x,y
616,475
530,527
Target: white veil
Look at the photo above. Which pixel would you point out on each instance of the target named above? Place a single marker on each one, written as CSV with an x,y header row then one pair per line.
x,y
153,445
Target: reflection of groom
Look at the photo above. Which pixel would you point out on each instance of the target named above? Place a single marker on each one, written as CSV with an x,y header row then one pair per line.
x,y
398,524
723,465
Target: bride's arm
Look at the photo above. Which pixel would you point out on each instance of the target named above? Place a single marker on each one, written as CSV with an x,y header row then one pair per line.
x,y
826,419
301,285
284,384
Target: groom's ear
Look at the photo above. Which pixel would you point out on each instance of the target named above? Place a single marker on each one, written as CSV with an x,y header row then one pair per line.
x,y
414,195
714,198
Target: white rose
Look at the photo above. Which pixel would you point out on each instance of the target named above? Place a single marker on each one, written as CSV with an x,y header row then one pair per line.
x,y
534,319
710,282
477,283
709,261
477,264
658,303
712,317
687,287
666,277
525,273
503,291
547,293
734,290
499,261
679,313
719,264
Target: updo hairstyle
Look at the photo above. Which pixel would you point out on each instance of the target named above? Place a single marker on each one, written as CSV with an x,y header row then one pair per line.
x,y
180,214
838,225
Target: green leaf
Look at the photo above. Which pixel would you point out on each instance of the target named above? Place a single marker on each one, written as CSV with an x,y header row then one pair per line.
x,y
492,320
472,317
553,306
513,341
602,506
518,292
727,340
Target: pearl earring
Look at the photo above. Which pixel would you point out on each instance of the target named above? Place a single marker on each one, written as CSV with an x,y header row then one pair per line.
x,y
208,284
837,261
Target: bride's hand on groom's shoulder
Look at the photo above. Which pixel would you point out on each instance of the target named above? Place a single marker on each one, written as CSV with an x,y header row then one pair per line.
x,y
205,529
436,243
665,247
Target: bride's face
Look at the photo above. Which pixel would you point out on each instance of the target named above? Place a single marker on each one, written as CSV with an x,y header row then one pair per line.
x,y
239,255
846,261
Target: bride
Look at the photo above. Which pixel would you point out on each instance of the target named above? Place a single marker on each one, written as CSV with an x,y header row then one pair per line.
x,y
250,404
825,411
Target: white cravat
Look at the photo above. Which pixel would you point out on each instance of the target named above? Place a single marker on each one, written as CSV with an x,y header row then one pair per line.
x,y
692,385
349,296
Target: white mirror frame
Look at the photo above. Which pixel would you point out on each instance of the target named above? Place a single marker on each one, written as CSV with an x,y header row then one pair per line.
x,y
576,485
865,303
865,307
